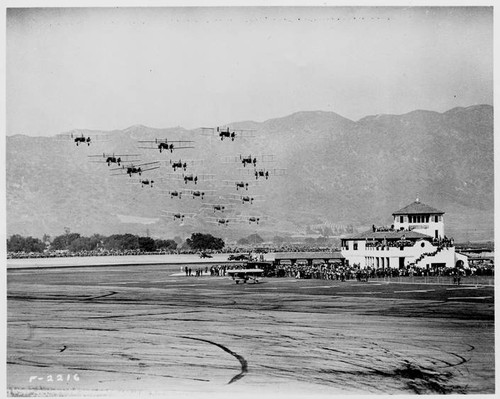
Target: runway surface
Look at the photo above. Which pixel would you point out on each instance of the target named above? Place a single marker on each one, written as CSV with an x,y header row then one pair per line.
x,y
99,331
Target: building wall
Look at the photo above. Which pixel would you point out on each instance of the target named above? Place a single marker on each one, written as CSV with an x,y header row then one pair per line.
x,y
445,256
463,258
390,256
427,228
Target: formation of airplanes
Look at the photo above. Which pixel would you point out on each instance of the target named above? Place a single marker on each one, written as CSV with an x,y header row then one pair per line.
x,y
215,196
216,201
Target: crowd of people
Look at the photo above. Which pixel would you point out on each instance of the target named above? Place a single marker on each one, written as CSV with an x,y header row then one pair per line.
x,y
127,252
341,272
214,270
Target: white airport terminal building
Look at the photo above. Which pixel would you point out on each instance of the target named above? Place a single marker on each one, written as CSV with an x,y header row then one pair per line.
x,y
416,239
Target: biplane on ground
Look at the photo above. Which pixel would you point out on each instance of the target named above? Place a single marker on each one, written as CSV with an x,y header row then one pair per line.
x,y
245,275
165,144
113,158
227,132
132,168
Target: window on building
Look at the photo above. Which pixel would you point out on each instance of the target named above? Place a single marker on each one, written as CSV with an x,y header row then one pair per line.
x,y
401,219
436,219
355,246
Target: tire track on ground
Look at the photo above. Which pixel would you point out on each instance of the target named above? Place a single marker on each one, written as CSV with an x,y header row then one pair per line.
x,y
241,359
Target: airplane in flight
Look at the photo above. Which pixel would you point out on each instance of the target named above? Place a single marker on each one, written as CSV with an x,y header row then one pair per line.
x,y
165,144
221,221
178,215
137,168
265,173
240,184
227,132
217,207
112,158
173,193
190,177
82,138
248,159
246,198
180,164
143,182
198,193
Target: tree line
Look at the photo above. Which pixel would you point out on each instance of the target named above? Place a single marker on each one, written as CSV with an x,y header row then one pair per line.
x,y
74,242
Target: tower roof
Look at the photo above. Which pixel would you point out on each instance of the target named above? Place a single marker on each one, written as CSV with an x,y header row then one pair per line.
x,y
417,208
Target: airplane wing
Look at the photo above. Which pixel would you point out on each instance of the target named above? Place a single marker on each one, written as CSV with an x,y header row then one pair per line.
x,y
155,147
231,196
231,159
208,131
216,131
104,155
266,158
74,135
239,158
149,168
123,158
246,271
173,176
145,163
216,223
164,141
249,183
271,172
206,177
181,148
278,172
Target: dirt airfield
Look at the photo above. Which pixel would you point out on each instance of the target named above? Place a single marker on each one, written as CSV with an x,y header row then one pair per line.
x,y
146,330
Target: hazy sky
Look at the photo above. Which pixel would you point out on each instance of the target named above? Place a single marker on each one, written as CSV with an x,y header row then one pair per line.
x,y
110,68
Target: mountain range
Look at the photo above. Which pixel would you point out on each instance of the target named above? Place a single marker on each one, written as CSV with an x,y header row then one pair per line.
x,y
337,173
